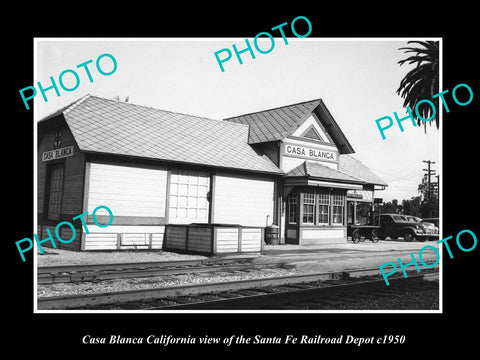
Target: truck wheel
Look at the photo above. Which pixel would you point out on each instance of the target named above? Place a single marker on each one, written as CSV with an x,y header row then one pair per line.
x,y
409,236
374,236
356,236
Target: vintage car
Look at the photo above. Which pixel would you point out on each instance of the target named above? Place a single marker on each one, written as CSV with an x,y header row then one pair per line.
x,y
397,225
434,220
430,227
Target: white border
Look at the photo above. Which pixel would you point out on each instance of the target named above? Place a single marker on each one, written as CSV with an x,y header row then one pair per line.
x,y
35,155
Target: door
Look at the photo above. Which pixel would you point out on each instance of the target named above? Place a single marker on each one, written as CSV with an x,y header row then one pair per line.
x,y
188,200
55,186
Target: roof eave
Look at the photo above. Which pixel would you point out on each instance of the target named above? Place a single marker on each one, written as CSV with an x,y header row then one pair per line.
x,y
332,127
310,177
167,161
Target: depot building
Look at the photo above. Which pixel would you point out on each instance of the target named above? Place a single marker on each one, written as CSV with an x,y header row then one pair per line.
x,y
188,183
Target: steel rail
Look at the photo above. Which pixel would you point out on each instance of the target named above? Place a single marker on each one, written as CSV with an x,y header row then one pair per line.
x,y
287,295
100,275
138,265
91,300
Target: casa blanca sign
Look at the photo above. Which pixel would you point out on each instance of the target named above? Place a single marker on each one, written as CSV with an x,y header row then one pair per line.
x,y
58,153
310,153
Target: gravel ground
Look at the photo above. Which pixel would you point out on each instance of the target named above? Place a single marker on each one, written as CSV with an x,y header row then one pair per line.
x,y
53,257
62,289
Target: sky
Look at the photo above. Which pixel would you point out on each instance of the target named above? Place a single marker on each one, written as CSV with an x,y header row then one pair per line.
x,y
356,78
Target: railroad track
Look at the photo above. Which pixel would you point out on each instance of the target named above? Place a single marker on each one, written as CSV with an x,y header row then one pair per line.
x,y
100,272
312,295
225,295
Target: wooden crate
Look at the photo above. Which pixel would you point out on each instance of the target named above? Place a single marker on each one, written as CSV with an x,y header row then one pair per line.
x,y
213,239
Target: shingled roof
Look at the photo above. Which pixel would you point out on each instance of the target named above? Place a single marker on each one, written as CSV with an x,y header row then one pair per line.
x,y
318,171
350,165
107,126
275,124
278,123
349,170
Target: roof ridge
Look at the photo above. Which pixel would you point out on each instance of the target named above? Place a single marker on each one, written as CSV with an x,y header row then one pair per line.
x,y
337,170
75,104
219,121
358,161
274,108
354,176
306,168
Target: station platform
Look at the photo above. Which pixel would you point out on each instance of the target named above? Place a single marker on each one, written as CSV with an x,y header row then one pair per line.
x,y
348,256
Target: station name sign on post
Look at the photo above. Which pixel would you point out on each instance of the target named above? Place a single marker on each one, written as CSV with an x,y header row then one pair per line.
x,y
58,153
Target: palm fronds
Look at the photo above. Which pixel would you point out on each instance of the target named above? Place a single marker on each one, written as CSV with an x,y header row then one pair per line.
x,y
421,82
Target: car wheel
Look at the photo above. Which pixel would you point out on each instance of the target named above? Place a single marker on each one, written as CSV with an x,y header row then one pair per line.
x,y
409,236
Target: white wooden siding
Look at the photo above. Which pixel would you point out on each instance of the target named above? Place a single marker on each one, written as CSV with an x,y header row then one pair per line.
x,y
310,234
127,191
243,200
227,240
131,237
251,239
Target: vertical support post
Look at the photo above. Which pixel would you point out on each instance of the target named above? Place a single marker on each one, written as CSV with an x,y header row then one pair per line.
x,y
119,240
187,235
86,191
240,230
214,240
167,199
211,209
262,237
301,192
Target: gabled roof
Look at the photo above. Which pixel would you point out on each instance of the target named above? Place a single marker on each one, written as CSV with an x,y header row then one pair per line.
x,y
278,123
275,124
107,126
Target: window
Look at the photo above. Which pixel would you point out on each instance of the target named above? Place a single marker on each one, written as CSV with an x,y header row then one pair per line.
x,y
337,207
318,206
54,191
323,201
308,206
362,213
386,219
57,140
292,207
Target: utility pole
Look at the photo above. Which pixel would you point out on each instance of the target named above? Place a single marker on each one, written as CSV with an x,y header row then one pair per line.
x,y
436,186
429,189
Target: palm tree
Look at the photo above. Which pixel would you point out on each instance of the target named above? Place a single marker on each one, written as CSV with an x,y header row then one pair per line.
x,y
421,82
